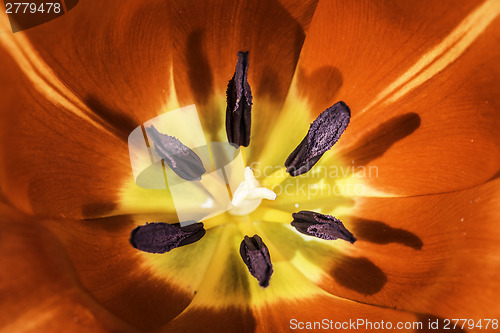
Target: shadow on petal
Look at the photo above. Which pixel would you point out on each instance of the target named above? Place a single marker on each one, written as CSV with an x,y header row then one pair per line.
x,y
381,233
119,123
237,283
201,80
327,79
269,83
98,209
199,73
359,274
110,225
495,176
378,141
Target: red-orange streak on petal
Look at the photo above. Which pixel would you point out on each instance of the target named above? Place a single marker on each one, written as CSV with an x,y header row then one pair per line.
x,y
115,56
354,50
439,136
54,163
454,143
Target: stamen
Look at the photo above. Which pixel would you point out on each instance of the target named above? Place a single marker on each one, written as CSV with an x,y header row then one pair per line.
x,y
160,237
180,158
239,104
256,256
323,133
321,226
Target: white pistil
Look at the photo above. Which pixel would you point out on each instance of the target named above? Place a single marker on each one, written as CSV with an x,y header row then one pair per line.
x,y
249,195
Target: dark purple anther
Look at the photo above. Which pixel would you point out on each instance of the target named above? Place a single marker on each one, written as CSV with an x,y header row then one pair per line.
x,y
321,226
256,256
160,237
180,158
239,104
324,132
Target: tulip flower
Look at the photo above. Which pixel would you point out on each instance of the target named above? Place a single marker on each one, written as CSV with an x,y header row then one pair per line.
x,y
370,135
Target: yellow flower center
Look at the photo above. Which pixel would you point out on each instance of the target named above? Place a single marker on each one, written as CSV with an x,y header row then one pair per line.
x,y
212,267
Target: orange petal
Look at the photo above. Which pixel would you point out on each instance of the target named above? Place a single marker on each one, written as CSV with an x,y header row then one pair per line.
x,y
447,136
421,88
115,274
420,81
428,254
40,289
